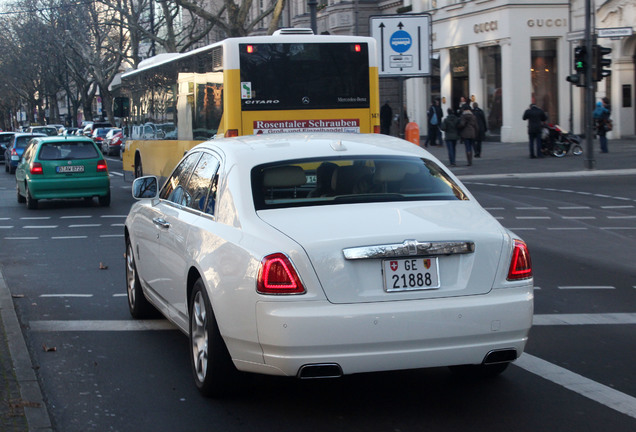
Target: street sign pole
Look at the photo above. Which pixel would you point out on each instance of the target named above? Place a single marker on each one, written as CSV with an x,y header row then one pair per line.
x,y
588,101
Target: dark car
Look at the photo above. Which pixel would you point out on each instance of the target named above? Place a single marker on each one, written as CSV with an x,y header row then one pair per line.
x,y
5,141
16,147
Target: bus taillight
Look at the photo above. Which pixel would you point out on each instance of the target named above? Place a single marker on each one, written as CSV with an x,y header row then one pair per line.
x,y
376,129
231,133
357,48
250,49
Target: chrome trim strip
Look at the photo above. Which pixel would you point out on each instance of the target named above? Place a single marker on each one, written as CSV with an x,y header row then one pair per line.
x,y
409,248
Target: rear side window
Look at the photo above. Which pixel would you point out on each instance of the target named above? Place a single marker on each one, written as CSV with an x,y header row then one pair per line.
x,y
351,180
21,142
68,151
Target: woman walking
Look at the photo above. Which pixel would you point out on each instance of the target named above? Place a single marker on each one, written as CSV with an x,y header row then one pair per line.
x,y
451,135
468,130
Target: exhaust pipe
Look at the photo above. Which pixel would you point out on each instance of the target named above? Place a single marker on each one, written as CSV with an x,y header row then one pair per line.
x,y
505,355
320,370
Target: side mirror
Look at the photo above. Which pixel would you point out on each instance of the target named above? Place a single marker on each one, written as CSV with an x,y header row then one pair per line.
x,y
145,188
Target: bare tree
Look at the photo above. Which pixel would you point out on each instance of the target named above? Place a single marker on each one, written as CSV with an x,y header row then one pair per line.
x,y
234,18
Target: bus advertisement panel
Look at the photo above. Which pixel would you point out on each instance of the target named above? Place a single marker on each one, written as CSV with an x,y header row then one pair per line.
x,y
244,86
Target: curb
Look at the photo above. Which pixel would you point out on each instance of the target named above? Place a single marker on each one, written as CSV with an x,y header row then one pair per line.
x,y
35,410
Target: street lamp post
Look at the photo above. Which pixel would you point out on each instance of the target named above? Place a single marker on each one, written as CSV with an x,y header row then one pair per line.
x,y
312,15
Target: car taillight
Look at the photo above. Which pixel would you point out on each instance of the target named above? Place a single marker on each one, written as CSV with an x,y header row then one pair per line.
x,y
36,168
520,265
277,275
14,153
101,166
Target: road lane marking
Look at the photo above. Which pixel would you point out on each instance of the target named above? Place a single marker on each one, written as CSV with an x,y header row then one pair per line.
x,y
68,237
85,225
597,392
76,217
101,325
39,226
67,295
567,228
584,319
22,238
35,218
585,287
532,217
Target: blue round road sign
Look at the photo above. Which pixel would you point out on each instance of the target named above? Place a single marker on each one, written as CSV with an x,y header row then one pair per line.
x,y
401,41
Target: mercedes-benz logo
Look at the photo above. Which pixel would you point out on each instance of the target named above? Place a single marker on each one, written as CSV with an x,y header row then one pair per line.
x,y
306,100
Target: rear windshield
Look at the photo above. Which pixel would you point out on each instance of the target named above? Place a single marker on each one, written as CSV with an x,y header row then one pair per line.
x,y
301,76
68,151
22,141
350,180
5,138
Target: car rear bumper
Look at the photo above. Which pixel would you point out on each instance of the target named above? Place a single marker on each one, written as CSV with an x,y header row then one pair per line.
x,y
70,188
391,336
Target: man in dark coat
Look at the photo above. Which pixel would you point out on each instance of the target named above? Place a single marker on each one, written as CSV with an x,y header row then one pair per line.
x,y
535,116
386,117
434,116
481,121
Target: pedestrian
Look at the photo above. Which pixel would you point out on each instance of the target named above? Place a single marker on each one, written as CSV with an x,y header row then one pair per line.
x,y
602,123
483,127
434,116
468,130
386,117
535,116
451,134
460,107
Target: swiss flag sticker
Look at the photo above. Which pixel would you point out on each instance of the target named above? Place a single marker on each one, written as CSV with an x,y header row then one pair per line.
x,y
394,265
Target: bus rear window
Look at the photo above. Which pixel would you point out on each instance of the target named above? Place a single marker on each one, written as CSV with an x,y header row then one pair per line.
x,y
294,76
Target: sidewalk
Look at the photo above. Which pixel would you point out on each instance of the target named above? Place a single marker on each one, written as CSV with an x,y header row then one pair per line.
x,y
512,159
22,407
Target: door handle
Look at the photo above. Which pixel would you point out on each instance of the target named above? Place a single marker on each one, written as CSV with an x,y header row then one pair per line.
x,y
161,223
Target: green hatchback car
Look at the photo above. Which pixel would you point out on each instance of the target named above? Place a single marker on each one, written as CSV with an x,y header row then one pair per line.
x,y
60,168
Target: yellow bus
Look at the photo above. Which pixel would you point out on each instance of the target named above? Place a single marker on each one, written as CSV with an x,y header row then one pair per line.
x,y
287,82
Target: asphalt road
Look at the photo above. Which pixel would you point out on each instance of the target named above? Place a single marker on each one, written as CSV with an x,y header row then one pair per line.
x,y
101,371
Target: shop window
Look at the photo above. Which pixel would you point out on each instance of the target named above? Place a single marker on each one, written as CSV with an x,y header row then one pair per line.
x,y
544,75
490,68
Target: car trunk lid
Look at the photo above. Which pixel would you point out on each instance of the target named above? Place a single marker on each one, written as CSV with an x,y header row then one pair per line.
x,y
366,252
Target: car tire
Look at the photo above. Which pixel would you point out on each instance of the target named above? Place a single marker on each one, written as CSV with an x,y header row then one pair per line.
x,y
138,305
21,199
31,203
479,371
210,360
104,201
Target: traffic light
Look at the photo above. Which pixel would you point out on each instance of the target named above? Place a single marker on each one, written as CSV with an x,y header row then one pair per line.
x,y
598,62
580,63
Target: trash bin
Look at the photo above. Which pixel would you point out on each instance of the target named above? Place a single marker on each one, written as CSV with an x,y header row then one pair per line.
x,y
412,133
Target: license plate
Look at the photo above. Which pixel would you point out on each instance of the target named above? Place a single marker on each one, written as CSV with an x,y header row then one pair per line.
x,y
70,169
409,274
